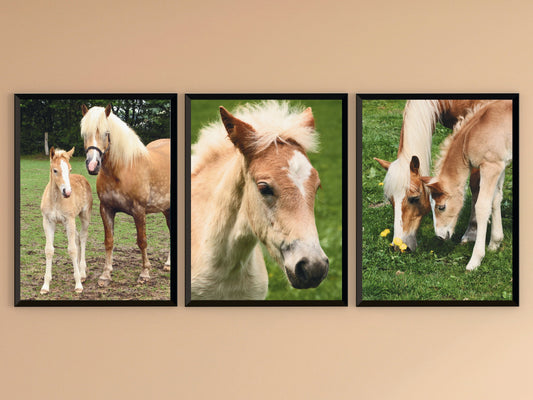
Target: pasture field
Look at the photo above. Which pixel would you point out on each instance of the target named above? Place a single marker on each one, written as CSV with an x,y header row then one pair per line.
x,y
437,270
328,203
34,176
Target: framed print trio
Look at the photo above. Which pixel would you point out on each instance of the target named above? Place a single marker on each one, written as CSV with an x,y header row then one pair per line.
x,y
267,199
95,199
437,204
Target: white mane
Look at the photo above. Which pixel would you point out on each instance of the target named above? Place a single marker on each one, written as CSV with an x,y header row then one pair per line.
x,y
419,120
272,120
125,145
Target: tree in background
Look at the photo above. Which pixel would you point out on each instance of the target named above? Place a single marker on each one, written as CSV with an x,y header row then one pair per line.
x,y
61,119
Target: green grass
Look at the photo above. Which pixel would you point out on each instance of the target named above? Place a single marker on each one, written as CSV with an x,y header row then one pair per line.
x,y
34,172
437,270
328,203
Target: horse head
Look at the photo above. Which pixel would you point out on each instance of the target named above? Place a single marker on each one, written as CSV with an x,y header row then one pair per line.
x,y
408,197
95,131
60,170
279,191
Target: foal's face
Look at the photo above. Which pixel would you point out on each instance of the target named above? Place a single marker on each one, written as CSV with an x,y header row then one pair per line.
x,y
95,143
60,170
283,189
410,204
280,188
446,204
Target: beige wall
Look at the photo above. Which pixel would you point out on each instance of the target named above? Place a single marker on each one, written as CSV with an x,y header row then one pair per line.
x,y
266,46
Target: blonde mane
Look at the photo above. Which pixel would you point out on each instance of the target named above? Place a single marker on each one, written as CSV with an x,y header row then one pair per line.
x,y
125,146
272,120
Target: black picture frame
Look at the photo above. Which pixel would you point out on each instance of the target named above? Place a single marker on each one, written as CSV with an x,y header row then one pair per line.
x,y
361,301
99,99
219,100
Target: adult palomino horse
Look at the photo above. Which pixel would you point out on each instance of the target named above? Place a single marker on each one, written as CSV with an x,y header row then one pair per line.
x,y
65,197
483,140
402,184
256,186
132,178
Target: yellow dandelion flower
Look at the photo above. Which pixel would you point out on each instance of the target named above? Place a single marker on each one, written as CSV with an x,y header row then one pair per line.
x,y
403,247
397,241
384,233
380,183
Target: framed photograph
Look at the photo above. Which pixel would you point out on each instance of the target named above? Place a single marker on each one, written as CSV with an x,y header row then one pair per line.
x,y
266,201
437,204
95,199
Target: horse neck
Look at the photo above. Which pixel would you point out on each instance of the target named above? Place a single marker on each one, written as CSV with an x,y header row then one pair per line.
x,y
454,167
419,119
230,236
53,192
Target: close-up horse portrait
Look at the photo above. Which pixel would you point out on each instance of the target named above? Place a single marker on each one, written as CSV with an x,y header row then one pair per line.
x,y
100,232
435,175
266,195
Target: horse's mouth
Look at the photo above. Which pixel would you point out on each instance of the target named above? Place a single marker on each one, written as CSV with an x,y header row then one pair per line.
x,y
307,275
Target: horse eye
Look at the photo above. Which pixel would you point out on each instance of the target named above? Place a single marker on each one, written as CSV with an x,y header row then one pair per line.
x,y
55,171
264,189
441,207
413,199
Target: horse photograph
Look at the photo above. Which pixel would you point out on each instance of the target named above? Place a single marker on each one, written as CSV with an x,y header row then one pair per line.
x,y
267,189
434,172
103,210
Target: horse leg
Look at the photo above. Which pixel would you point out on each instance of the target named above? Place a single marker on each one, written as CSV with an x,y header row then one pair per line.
x,y
140,223
73,243
84,233
470,233
167,216
496,232
108,219
49,231
490,174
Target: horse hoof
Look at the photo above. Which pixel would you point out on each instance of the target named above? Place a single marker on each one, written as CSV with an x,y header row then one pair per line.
x,y
103,282
78,290
44,291
143,279
166,268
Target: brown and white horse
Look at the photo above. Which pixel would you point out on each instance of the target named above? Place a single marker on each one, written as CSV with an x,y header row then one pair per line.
x,y
132,178
252,183
66,197
402,183
483,140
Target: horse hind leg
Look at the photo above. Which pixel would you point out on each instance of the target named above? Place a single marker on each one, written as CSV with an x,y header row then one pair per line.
x,y
49,231
167,264
496,233
140,223
471,230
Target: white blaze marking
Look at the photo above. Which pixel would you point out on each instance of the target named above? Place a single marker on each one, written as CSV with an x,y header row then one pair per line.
x,y
66,174
398,222
299,170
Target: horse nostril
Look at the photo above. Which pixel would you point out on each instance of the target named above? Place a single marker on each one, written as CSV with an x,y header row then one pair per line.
x,y
300,269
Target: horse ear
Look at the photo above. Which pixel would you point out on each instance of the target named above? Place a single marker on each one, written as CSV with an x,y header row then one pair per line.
x,y
383,163
108,110
52,152
84,109
432,184
414,165
70,152
239,132
308,120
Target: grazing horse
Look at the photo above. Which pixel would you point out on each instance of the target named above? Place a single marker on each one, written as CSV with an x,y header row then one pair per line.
x,y
252,182
483,140
65,197
402,184
132,178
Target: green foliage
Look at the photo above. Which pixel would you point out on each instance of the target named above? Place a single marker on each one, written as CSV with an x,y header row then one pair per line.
x,y
437,270
61,119
328,203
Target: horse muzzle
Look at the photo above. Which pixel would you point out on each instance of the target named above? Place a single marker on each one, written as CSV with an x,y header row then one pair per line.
x,y
306,266
93,166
